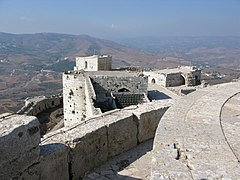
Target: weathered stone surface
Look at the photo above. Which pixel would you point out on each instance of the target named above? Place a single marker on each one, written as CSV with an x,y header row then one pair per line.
x,y
230,121
190,142
95,140
88,152
32,172
74,98
182,75
19,141
148,117
122,134
54,162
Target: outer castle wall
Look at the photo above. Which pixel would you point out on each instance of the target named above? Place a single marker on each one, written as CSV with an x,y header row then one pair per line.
x,y
70,152
36,105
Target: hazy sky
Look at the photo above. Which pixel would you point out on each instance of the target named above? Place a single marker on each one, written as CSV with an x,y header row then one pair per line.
x,y
122,18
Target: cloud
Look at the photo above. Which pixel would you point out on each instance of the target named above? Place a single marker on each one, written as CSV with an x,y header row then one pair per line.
x,y
114,26
25,19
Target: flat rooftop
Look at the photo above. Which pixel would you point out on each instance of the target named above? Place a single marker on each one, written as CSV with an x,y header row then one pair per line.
x,y
94,56
106,73
183,69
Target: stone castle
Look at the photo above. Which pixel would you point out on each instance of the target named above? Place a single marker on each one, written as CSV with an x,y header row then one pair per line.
x,y
109,112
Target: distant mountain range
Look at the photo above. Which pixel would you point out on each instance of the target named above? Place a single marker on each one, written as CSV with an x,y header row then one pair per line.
x,y
206,51
43,49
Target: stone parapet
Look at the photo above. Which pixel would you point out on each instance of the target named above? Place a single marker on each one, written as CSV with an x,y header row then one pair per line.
x,y
20,138
34,106
70,152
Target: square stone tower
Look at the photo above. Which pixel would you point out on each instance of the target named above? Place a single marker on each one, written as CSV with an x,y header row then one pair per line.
x,y
94,63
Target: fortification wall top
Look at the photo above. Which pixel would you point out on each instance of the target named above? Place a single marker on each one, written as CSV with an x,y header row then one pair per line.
x,y
37,104
190,141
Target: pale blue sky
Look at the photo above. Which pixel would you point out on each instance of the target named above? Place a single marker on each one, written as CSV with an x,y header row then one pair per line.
x,y
122,18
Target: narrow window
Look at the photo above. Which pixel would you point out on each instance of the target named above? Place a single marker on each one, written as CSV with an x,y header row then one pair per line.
x,y
85,64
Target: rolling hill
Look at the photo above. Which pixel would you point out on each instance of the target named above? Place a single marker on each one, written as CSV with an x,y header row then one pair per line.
x,y
31,64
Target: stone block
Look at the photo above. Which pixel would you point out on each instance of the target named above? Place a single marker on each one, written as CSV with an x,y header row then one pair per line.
x,y
14,168
19,139
54,162
122,134
148,122
88,152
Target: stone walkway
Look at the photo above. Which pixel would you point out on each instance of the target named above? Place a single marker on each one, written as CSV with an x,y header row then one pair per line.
x,y
198,137
230,121
157,92
132,165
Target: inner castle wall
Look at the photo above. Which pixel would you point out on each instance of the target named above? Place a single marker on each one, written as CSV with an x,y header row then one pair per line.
x,y
87,94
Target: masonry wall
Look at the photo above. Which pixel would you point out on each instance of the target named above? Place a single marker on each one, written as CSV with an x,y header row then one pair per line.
x,y
105,63
94,63
36,105
156,78
135,84
19,139
89,63
70,152
74,98
90,97
193,78
105,85
175,79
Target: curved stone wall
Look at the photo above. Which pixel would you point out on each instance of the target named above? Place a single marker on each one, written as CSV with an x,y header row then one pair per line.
x,y
70,152
190,141
34,106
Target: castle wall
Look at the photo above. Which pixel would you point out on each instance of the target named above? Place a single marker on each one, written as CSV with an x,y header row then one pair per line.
x,y
20,138
105,63
70,152
193,78
94,63
183,75
156,78
36,105
74,98
135,84
90,97
105,85
175,79
89,63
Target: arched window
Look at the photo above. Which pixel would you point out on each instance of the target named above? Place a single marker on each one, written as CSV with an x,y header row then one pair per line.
x,y
153,81
123,90
86,64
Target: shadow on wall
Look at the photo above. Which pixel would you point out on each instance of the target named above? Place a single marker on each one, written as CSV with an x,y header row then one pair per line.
x,y
114,166
156,95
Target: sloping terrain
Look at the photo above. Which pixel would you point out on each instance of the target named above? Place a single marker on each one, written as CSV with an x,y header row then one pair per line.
x,y
31,64
201,51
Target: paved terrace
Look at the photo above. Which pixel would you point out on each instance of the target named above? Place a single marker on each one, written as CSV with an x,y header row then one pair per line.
x,y
198,137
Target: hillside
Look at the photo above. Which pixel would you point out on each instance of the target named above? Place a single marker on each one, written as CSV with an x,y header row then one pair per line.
x,y
46,48
201,51
31,64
